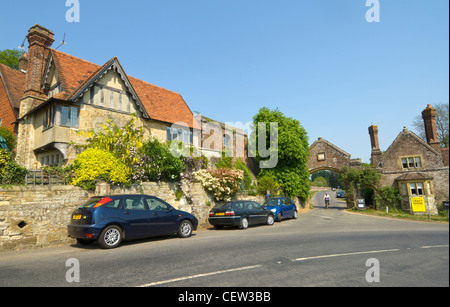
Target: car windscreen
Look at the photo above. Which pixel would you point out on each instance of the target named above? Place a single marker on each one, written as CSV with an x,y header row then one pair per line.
x,y
272,202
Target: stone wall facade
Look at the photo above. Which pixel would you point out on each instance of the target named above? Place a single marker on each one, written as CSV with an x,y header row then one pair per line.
x,y
327,156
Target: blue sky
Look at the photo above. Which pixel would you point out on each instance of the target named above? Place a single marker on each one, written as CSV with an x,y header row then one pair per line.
x,y
318,61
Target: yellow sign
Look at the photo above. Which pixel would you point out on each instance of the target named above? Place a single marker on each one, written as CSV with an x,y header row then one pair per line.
x,y
418,204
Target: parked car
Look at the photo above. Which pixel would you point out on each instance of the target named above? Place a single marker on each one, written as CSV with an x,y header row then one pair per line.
x,y
340,194
282,207
112,219
240,214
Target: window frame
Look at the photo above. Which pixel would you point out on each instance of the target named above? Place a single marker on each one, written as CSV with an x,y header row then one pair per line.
x,y
413,162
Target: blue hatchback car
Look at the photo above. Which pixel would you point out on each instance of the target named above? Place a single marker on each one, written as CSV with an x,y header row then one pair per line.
x,y
282,207
111,219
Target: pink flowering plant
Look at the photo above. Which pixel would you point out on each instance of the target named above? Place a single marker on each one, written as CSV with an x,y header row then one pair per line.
x,y
222,183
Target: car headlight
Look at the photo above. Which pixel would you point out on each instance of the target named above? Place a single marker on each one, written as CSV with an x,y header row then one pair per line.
x,y
273,210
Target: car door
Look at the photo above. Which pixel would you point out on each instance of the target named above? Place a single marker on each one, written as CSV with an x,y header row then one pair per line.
x,y
260,213
136,215
163,219
290,207
251,213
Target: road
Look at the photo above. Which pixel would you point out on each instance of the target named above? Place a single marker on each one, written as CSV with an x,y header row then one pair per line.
x,y
324,247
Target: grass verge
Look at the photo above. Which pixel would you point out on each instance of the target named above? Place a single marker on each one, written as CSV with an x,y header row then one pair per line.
x,y
402,215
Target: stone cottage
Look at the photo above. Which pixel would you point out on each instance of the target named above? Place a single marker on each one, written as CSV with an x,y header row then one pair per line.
x,y
419,169
63,94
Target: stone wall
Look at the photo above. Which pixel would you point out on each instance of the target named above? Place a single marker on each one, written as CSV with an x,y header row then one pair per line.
x,y
33,217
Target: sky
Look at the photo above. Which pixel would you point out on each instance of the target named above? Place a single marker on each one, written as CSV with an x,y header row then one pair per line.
x,y
318,61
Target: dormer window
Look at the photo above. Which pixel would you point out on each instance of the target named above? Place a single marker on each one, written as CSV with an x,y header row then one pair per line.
x,y
54,90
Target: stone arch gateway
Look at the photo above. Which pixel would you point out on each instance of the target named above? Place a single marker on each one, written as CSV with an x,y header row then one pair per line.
x,y
327,156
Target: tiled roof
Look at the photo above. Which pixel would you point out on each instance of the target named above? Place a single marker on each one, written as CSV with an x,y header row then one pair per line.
x,y
159,103
14,81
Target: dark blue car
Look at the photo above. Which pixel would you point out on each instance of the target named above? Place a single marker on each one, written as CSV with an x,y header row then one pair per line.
x,y
112,219
282,207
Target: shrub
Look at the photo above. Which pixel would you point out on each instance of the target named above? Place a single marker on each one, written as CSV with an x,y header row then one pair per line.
x,y
158,163
388,196
9,138
222,183
124,142
10,171
96,164
266,183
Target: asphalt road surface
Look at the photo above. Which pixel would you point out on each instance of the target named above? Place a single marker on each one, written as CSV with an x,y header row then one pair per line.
x,y
323,247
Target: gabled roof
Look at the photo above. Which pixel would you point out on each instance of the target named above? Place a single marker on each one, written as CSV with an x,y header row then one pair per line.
x,y
14,82
414,136
77,75
323,141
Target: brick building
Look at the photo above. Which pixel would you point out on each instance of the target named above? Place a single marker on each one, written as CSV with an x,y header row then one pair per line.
x,y
419,169
12,84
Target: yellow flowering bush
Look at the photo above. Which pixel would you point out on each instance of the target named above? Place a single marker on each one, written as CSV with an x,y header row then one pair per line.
x,y
95,164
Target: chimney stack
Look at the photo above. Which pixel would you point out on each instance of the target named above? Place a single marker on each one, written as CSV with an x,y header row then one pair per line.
x,y
23,63
376,152
40,40
429,119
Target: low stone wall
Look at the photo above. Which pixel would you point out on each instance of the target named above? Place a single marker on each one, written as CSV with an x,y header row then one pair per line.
x,y
33,217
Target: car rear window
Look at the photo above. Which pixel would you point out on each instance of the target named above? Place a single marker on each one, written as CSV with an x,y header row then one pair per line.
x,y
91,202
223,205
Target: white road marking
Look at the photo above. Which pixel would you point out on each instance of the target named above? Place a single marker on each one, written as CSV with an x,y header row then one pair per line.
x,y
260,265
435,246
347,254
199,275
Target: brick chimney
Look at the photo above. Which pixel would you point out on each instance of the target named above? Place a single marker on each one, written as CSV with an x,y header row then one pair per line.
x,y
40,40
376,152
429,119
23,63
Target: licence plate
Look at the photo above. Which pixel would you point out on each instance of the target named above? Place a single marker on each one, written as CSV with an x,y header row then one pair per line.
x,y
76,217
220,213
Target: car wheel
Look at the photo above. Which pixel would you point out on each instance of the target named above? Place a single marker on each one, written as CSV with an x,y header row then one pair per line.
x,y
244,223
111,237
279,217
270,219
295,214
185,229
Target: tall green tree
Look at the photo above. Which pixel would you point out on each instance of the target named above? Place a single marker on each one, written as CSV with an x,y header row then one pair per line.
x,y
291,170
11,57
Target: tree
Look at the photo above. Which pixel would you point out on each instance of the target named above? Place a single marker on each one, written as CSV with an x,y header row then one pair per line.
x,y
291,171
357,179
11,58
9,138
442,125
